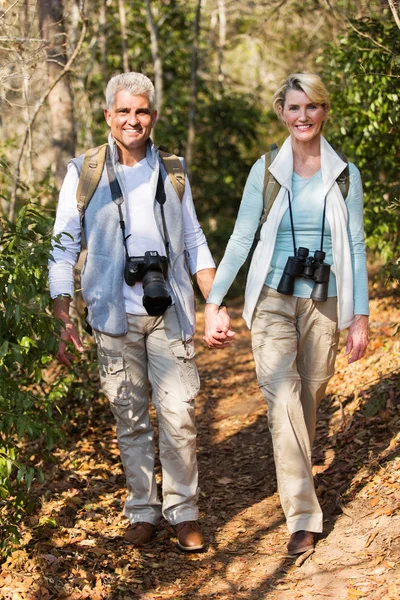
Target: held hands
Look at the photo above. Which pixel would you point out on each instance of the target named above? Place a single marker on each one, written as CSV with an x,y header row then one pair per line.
x,y
218,333
357,338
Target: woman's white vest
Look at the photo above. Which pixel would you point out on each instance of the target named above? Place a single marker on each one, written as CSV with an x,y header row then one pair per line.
x,y
337,216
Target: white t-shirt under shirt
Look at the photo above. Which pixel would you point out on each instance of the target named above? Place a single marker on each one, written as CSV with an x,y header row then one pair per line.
x,y
140,226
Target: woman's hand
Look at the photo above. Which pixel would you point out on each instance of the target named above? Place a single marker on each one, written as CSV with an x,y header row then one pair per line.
x,y
357,339
218,333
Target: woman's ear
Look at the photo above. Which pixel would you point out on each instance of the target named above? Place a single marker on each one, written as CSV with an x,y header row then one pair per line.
x,y
280,113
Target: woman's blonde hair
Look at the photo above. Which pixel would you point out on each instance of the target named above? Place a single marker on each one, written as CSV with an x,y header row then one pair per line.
x,y
309,83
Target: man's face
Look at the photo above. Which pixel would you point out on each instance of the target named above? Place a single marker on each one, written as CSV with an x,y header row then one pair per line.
x,y
131,122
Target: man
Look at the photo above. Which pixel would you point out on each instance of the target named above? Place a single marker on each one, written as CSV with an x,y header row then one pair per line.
x,y
137,344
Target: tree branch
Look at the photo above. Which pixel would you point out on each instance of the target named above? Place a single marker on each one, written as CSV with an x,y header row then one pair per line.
x,y
4,38
369,37
339,14
3,14
39,104
394,12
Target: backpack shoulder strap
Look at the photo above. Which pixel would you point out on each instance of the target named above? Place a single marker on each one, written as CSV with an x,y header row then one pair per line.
x,y
89,177
270,192
271,186
175,171
343,180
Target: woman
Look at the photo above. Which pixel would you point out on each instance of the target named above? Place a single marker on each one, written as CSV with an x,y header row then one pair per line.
x,y
295,337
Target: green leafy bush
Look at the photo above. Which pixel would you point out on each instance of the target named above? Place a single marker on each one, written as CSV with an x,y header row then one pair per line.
x,y
362,72
28,403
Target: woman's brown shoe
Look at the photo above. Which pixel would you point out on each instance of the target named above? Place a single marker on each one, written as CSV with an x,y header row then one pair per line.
x,y
190,538
139,534
300,542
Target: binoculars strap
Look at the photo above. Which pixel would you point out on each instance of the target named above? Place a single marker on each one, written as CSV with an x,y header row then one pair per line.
x,y
292,225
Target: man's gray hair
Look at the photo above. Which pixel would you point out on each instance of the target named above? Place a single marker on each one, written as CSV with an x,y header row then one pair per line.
x,y
134,83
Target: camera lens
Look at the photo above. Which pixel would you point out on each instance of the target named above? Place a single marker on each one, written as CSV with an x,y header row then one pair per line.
x,y
156,298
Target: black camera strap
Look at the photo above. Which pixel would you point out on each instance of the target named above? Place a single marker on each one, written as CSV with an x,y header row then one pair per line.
x,y
292,225
118,199
161,198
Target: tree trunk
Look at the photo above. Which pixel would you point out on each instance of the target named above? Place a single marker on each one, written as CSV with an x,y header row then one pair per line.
x,y
32,119
155,52
193,91
102,36
60,98
124,35
222,39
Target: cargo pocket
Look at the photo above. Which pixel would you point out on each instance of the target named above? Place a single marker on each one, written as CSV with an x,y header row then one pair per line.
x,y
184,356
322,348
113,378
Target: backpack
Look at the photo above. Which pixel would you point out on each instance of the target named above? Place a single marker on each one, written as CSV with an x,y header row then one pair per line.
x,y
272,187
92,169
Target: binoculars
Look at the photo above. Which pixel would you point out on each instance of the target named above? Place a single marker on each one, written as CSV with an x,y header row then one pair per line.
x,y
309,267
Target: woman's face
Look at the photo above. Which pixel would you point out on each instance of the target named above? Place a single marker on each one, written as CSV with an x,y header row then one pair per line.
x,y
302,117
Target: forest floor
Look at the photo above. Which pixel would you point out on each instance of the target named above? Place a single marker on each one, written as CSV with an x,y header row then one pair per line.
x,y
72,549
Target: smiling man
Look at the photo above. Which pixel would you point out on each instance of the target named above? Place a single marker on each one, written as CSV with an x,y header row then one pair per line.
x,y
140,234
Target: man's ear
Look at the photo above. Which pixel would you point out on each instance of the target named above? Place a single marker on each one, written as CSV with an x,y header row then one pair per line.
x,y
154,117
107,116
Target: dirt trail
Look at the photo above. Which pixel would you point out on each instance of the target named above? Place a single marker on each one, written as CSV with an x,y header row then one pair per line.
x,y
72,546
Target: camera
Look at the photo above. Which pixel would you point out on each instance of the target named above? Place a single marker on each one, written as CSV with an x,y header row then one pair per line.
x,y
309,267
151,269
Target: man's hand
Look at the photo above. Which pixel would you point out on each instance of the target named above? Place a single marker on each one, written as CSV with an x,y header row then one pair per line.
x,y
218,333
68,333
357,338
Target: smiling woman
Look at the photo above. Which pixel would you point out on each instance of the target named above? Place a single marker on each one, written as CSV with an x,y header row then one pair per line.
x,y
295,304
303,116
303,108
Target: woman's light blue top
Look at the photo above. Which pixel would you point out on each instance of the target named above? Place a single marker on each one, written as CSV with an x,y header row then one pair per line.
x,y
307,208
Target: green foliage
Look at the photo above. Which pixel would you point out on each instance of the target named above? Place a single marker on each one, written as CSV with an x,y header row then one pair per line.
x,y
363,74
28,404
391,270
227,144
